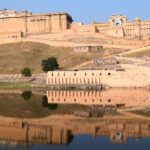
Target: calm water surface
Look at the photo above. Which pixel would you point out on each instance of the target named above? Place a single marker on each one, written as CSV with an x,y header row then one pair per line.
x,y
28,120
87,142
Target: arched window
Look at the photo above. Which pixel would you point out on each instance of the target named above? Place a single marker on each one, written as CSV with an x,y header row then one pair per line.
x,y
109,100
77,80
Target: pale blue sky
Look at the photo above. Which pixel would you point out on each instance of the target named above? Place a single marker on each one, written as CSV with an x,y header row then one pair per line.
x,y
84,10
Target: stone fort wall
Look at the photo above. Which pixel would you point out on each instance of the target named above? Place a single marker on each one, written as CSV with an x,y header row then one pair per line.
x,y
23,24
130,77
119,26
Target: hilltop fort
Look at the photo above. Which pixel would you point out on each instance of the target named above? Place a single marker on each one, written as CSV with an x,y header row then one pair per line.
x,y
20,25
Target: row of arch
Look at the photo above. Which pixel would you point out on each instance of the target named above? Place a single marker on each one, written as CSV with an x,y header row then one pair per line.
x,y
85,100
74,80
74,93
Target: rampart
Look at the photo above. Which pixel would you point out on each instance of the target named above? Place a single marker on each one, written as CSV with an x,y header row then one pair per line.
x,y
130,76
14,25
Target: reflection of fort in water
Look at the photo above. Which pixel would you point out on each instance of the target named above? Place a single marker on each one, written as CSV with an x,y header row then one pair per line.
x,y
127,97
15,132
25,133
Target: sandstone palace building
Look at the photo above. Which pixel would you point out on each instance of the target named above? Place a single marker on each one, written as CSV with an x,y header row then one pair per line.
x,y
25,23
22,24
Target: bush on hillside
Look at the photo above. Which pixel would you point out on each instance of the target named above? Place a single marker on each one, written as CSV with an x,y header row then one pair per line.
x,y
26,72
49,64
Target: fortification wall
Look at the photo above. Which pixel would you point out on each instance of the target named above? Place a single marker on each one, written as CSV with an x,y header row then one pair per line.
x,y
133,76
28,23
23,25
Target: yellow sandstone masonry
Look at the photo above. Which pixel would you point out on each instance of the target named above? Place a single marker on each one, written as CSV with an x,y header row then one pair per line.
x,y
21,24
130,76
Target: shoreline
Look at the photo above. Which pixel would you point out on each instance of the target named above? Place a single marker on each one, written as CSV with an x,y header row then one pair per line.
x,y
31,86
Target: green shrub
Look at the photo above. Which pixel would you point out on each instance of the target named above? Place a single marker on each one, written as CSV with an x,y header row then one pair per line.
x,y
26,72
49,64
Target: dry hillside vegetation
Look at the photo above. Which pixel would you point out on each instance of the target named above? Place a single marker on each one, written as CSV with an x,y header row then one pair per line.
x,y
142,52
13,57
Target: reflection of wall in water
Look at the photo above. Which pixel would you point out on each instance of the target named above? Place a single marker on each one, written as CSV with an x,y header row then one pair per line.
x,y
136,97
34,133
119,131
25,134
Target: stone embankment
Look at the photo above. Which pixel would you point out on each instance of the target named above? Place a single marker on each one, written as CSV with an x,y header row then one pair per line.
x,y
15,78
9,91
37,79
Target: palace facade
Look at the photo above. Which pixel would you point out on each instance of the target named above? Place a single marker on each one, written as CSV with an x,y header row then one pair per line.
x,y
22,24
119,26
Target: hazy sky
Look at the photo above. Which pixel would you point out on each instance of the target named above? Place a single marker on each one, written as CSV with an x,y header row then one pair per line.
x,y
84,10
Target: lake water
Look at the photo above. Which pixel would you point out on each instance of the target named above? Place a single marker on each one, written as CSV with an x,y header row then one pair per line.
x,y
88,143
75,120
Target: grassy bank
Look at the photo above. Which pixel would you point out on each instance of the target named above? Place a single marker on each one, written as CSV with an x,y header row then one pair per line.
x,y
22,86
